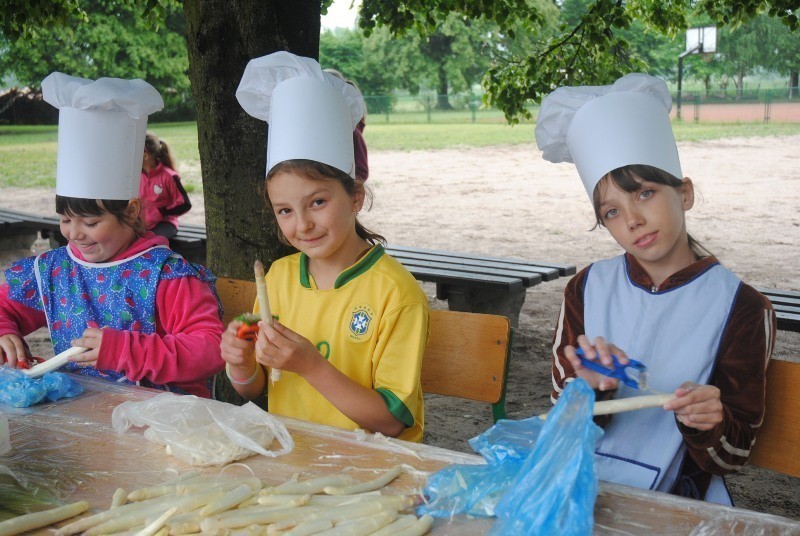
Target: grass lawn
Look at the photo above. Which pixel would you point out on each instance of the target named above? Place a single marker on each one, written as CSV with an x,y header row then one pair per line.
x,y
28,153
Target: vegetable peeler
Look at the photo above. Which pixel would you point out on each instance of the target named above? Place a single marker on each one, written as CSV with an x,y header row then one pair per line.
x,y
639,375
249,328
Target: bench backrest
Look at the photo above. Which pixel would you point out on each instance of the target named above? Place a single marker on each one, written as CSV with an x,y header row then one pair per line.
x,y
466,356
778,443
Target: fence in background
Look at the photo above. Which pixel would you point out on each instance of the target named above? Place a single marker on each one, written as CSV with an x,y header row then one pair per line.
x,y
749,106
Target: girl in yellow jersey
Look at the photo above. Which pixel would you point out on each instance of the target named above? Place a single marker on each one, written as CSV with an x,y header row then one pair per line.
x,y
351,323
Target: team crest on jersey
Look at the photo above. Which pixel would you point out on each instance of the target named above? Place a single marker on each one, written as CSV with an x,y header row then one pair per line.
x,y
360,321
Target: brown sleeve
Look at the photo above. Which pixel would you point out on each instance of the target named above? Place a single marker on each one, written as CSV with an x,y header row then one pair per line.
x,y
740,375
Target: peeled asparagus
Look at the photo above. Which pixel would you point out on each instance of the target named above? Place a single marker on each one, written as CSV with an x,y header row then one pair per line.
x,y
158,524
53,363
26,522
313,485
422,526
371,485
620,405
263,307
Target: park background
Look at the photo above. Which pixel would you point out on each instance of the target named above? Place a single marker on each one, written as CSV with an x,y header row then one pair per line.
x,y
449,173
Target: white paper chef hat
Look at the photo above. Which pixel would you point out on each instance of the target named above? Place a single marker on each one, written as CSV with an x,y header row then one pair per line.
x,y
101,130
602,128
311,114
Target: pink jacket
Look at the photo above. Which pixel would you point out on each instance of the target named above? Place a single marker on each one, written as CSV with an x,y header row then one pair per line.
x,y
183,351
163,197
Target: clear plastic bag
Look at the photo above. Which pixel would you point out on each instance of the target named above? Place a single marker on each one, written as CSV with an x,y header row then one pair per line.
x,y
200,431
20,391
539,477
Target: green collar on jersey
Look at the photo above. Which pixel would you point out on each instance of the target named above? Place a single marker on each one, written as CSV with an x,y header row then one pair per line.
x,y
362,265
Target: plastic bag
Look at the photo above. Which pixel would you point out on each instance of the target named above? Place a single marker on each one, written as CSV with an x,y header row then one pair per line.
x,y
505,485
20,391
200,431
556,489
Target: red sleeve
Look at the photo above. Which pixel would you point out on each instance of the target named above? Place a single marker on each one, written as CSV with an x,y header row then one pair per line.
x,y
18,319
740,375
185,350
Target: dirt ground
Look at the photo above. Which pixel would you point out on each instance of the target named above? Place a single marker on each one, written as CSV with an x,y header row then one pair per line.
x,y
507,201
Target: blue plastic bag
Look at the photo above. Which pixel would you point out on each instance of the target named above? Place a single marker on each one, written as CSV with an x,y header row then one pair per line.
x,y
556,488
20,391
555,496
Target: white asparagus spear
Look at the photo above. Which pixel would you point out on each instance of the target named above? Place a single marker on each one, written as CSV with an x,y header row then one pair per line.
x,y
362,526
313,485
370,485
402,522
422,526
263,516
230,500
27,522
53,363
119,498
263,307
158,524
620,405
301,529
88,522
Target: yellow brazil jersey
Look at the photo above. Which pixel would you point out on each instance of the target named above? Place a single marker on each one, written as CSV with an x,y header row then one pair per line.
x,y
372,326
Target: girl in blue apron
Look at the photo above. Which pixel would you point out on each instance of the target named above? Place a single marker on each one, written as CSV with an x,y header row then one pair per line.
x,y
144,314
703,334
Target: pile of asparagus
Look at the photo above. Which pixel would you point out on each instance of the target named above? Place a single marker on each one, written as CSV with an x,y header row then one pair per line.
x,y
193,503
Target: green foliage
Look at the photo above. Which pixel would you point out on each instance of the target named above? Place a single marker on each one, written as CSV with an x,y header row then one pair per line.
x,y
597,41
119,39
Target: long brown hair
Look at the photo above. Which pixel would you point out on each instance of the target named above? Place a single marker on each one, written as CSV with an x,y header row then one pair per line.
x,y
629,179
317,171
159,150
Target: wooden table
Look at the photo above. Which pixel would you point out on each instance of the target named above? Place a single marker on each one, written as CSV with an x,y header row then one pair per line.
x,y
69,447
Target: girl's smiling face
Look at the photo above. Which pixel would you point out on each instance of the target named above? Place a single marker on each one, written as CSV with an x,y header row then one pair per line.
x,y
98,238
316,216
649,223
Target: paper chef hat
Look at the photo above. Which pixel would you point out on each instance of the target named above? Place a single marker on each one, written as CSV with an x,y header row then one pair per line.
x,y
311,114
101,130
602,128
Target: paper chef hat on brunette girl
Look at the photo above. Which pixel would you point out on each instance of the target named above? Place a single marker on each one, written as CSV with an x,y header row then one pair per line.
x,y
602,128
101,130
311,114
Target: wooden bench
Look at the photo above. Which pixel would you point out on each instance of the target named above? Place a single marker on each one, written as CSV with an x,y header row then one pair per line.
x,y
787,307
469,282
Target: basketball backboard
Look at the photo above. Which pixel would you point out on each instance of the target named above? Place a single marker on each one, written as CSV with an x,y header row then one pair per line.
x,y
701,40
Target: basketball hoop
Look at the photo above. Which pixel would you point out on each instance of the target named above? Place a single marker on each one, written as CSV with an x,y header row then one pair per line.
x,y
701,41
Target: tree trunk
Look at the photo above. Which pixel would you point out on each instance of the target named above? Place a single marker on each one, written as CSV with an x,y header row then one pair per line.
x,y
222,36
793,81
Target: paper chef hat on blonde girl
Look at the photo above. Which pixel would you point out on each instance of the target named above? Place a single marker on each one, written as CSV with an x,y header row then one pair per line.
x,y
311,114
101,130
602,128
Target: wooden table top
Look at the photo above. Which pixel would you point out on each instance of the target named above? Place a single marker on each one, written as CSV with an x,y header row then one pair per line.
x,y
70,448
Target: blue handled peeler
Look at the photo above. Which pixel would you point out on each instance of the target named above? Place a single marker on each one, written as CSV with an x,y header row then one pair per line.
x,y
638,381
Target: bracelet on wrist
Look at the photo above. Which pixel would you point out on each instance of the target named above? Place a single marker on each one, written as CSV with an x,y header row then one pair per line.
x,y
233,380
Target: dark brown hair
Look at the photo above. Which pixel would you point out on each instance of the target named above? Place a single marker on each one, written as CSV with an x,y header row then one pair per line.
x,y
78,206
629,179
317,171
